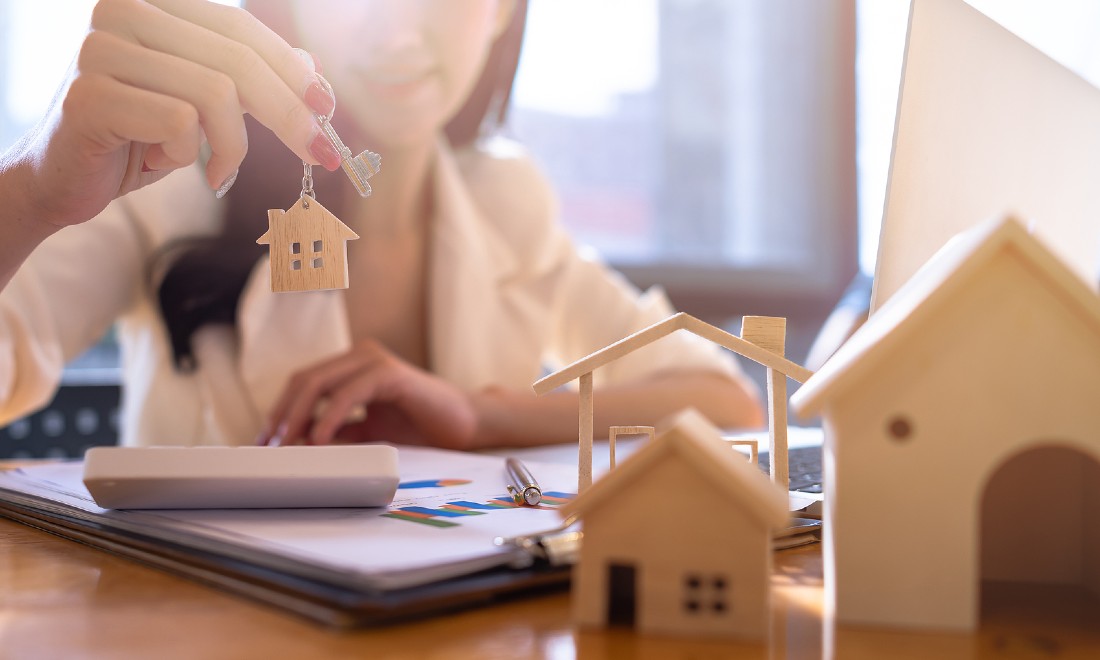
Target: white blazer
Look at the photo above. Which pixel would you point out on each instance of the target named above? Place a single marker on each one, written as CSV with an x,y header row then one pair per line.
x,y
510,296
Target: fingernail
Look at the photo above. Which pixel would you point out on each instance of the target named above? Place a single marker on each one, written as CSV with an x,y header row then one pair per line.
x,y
145,168
319,99
325,152
310,59
277,437
227,184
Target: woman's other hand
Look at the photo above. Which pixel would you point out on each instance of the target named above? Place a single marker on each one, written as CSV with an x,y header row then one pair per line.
x,y
151,82
404,404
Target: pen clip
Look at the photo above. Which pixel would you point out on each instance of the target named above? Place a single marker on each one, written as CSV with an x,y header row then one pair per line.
x,y
517,496
560,545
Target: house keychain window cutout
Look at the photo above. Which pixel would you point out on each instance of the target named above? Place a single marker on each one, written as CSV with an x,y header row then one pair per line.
x,y
308,244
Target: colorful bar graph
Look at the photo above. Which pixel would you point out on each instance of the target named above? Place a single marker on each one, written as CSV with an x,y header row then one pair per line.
x,y
555,498
419,519
434,483
452,511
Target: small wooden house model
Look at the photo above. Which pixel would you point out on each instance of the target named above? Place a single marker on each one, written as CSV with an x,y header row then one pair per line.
x,y
963,436
677,539
308,247
763,340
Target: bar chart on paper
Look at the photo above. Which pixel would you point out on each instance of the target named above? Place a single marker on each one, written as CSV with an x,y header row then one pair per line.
x,y
450,514
432,483
454,495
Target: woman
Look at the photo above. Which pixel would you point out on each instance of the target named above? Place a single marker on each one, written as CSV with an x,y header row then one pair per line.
x,y
463,287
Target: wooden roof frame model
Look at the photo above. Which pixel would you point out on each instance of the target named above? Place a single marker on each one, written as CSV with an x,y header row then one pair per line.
x,y
762,341
689,434
689,463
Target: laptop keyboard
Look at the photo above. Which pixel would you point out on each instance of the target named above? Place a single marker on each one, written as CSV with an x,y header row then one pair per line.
x,y
804,465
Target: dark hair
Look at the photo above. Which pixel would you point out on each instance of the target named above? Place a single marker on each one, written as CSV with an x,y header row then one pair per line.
x,y
204,277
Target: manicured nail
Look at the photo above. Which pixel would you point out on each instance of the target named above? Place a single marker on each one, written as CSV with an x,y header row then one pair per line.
x,y
310,59
227,184
324,151
319,99
276,440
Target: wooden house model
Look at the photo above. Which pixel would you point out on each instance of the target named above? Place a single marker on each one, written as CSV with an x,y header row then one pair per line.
x,y
963,437
762,340
308,247
677,539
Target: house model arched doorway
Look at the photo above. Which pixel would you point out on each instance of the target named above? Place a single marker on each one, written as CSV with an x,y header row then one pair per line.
x,y
1040,525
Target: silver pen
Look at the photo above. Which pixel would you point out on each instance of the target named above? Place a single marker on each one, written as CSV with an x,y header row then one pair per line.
x,y
522,485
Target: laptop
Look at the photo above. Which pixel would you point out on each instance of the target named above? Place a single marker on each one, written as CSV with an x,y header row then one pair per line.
x,y
987,125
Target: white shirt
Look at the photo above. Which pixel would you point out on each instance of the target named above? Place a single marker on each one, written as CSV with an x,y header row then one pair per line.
x,y
509,296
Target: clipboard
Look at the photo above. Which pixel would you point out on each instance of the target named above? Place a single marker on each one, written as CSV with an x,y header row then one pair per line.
x,y
290,580
512,565
322,602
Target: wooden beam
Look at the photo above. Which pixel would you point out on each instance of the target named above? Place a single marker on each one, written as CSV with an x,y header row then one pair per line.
x,y
609,354
654,332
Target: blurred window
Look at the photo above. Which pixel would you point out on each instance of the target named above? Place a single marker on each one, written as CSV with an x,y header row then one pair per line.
x,y
706,145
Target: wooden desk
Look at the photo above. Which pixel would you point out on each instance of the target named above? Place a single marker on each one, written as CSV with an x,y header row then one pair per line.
x,y
59,599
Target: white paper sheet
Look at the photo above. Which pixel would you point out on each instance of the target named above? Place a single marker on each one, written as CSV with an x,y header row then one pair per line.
x,y
442,523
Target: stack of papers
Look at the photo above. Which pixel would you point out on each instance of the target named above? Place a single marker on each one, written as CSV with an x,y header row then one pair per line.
x,y
337,565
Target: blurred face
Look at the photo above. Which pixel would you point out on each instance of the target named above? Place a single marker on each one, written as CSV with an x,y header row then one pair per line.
x,y
400,68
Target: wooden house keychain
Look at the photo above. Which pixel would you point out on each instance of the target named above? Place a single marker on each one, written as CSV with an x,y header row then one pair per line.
x,y
308,244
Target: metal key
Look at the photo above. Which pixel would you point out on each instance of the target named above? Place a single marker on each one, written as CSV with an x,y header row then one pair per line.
x,y
358,168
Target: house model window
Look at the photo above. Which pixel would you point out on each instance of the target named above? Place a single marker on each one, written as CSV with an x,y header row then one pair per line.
x,y
307,223
706,594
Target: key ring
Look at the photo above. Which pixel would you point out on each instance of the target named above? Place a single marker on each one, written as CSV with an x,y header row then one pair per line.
x,y
307,184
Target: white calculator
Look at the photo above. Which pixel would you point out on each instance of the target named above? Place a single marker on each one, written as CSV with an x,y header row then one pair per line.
x,y
241,477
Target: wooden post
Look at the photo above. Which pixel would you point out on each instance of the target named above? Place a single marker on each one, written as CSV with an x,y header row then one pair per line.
x,y
584,450
777,427
770,332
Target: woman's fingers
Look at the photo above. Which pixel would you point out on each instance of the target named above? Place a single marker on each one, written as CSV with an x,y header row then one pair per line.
x,y
362,389
212,93
239,25
114,114
430,409
271,96
100,142
369,376
294,412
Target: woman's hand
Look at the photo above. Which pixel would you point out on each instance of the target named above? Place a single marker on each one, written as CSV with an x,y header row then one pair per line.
x,y
152,81
403,404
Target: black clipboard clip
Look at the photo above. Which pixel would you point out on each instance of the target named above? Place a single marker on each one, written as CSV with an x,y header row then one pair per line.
x,y
559,546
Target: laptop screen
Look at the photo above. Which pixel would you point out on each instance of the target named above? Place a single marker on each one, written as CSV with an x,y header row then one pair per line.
x,y
987,126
